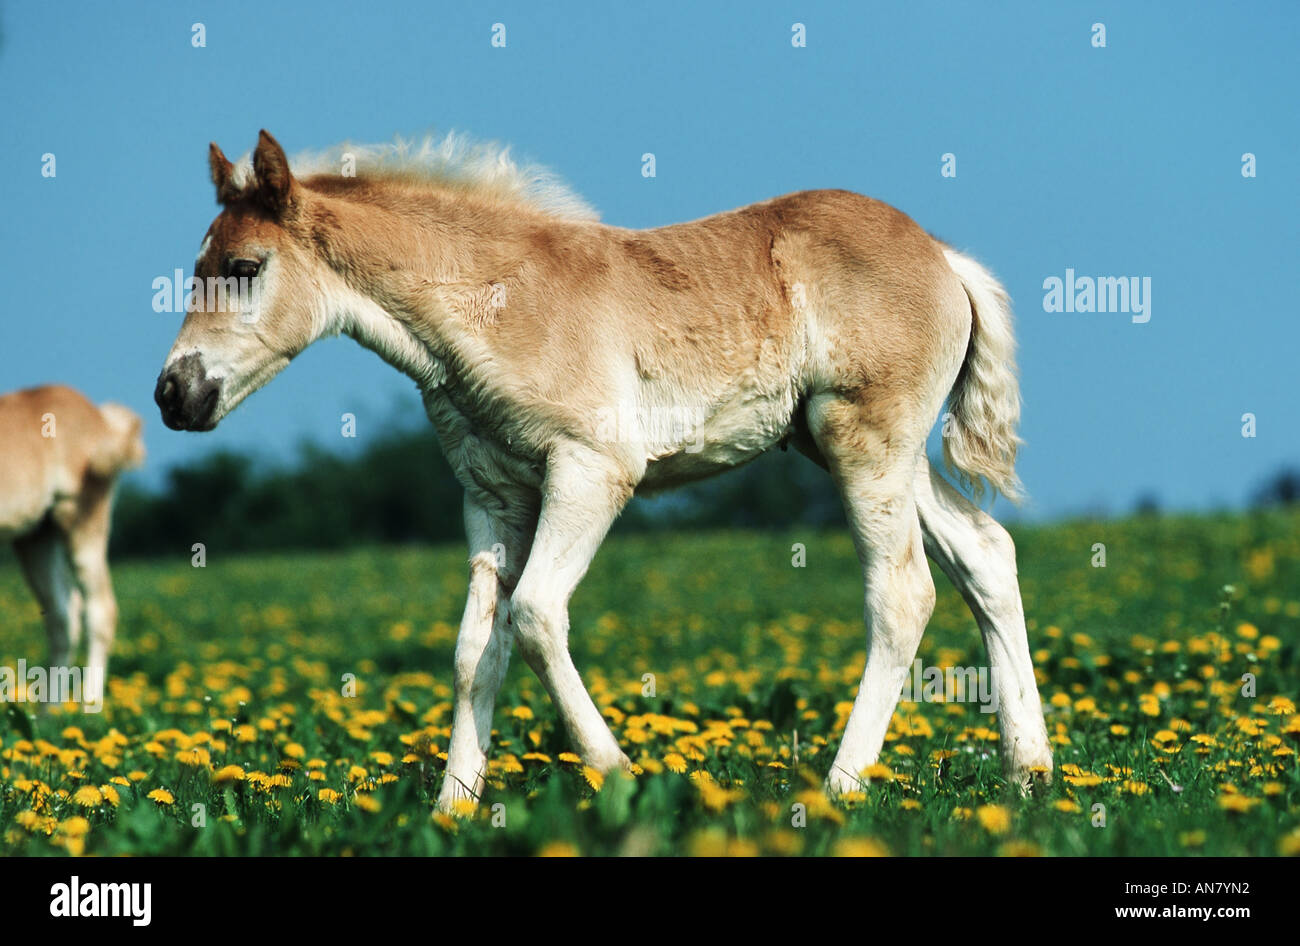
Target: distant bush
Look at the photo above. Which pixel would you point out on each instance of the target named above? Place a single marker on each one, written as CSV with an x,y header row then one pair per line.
x,y
1281,489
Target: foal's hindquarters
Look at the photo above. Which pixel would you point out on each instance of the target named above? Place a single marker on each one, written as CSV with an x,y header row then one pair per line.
x,y
58,471
894,343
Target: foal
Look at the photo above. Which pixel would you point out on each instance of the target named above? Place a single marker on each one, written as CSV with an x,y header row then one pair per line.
x,y
543,342
60,457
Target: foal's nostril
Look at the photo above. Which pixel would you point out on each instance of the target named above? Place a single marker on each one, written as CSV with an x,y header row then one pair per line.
x,y
166,393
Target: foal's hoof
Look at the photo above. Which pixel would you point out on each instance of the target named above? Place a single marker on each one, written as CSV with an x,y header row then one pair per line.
x,y
609,763
457,807
842,782
1032,779
457,799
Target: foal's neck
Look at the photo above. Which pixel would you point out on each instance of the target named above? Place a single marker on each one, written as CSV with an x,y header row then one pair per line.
x,y
405,260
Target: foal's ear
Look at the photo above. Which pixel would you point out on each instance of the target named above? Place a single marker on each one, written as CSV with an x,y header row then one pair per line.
x,y
223,173
276,188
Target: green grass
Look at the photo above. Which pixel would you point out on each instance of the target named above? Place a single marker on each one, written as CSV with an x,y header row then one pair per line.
x,y
1140,662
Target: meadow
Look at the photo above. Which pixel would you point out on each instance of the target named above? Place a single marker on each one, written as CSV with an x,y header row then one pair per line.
x,y
300,704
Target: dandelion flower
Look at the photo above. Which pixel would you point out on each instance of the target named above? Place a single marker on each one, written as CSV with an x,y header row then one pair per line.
x,y
228,773
995,819
860,847
595,778
88,796
558,849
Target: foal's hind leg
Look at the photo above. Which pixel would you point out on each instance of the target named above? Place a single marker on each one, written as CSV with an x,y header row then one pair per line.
x,y
979,558
498,546
44,558
873,470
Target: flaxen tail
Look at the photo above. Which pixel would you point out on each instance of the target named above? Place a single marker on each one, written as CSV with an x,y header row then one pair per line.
x,y
121,446
981,443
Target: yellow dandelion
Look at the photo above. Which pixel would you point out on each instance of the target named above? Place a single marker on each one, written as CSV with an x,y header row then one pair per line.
x,y
228,773
1289,844
860,847
1019,849
558,849
88,796
76,827
995,819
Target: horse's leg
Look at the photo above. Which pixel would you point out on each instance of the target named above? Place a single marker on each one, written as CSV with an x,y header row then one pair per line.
x,y
498,548
43,555
88,549
581,497
978,556
873,470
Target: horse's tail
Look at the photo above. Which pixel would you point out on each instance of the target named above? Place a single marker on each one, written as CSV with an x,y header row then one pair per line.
x,y
122,448
981,443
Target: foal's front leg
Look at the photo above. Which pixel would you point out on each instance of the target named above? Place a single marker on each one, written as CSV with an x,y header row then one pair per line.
x,y
497,552
582,496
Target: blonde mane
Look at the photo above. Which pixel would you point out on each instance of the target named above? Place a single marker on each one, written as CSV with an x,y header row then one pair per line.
x,y
453,161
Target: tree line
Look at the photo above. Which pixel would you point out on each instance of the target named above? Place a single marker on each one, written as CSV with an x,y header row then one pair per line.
x,y
400,489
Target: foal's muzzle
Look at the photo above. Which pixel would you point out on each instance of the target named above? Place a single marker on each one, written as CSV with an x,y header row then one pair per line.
x,y
186,396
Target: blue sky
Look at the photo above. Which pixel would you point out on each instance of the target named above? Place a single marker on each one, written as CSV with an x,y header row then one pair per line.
x,y
1122,161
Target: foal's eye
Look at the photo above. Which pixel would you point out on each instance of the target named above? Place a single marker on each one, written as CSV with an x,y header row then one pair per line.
x,y
245,268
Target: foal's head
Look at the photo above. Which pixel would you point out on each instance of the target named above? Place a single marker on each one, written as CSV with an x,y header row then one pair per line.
x,y
259,299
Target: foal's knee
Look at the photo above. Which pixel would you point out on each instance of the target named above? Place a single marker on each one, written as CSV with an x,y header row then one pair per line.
x,y
539,627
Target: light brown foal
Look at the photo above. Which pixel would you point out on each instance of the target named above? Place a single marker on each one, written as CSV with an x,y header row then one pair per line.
x,y
60,457
550,348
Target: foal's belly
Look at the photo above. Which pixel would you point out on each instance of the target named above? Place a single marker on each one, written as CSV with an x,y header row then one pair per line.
x,y
731,437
